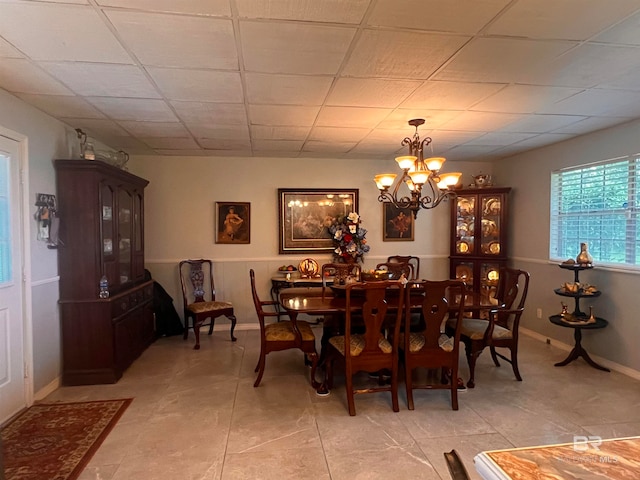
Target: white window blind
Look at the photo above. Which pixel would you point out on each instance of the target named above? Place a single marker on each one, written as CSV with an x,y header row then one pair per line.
x,y
5,225
596,204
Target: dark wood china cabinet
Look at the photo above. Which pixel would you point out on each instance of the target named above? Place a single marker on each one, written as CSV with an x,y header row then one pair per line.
x,y
479,241
101,211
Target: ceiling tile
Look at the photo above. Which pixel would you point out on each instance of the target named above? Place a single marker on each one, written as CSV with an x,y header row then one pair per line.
x,y
351,116
210,42
287,89
461,16
198,85
283,115
524,98
470,152
226,144
62,106
170,143
9,51
598,102
542,140
293,48
391,54
198,7
97,128
369,92
147,130
103,80
481,121
327,147
338,134
224,113
548,18
591,124
626,81
625,32
64,32
136,109
277,145
576,68
399,118
501,60
540,123
20,76
337,11
500,138
265,132
450,95
239,133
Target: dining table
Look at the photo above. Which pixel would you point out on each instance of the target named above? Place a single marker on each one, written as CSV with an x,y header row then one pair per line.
x,y
586,458
333,305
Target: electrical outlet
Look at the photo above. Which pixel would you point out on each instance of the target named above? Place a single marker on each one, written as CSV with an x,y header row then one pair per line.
x,y
539,313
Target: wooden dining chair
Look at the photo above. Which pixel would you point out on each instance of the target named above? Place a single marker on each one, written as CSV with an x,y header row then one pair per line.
x,y
429,347
414,261
369,351
500,329
339,274
457,470
397,269
199,298
281,335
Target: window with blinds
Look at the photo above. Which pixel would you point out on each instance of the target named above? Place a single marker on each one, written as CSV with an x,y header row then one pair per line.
x,y
597,204
5,225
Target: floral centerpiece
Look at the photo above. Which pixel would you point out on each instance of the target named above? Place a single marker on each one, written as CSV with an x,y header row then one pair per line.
x,y
349,238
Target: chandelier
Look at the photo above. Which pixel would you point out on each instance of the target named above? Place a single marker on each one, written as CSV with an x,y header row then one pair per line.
x,y
427,187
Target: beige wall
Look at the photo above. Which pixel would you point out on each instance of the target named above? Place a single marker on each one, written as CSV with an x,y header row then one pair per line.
x,y
529,175
179,217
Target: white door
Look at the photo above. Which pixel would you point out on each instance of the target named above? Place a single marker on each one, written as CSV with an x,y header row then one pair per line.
x,y
13,396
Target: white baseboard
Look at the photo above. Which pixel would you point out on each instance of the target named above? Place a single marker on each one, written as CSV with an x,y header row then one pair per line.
x,y
629,372
52,387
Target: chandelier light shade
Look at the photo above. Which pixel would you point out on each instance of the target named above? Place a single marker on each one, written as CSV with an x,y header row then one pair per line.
x,y
425,186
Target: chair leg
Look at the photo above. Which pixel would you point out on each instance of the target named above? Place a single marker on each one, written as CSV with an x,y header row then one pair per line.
x,y
233,326
408,381
394,390
514,363
261,364
494,356
471,360
454,389
196,331
213,321
350,399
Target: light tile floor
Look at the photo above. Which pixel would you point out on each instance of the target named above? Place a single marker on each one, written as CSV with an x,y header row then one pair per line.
x,y
197,416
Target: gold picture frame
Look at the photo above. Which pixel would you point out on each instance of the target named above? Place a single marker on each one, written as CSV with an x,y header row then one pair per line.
x,y
233,222
306,214
398,224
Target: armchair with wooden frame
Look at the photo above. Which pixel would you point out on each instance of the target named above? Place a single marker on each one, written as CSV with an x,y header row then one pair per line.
x,y
281,335
428,347
369,351
500,330
199,298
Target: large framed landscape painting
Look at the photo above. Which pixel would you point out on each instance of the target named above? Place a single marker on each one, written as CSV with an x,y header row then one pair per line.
x,y
305,216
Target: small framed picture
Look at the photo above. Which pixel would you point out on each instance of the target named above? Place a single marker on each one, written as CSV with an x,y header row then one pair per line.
x,y
397,224
233,222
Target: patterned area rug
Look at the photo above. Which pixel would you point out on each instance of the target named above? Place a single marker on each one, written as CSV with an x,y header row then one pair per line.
x,y
56,441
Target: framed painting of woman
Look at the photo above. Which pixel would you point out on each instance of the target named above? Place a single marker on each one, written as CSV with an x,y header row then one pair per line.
x,y
397,223
232,222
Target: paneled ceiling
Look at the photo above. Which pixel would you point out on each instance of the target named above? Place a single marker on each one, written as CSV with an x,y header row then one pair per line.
x,y
336,78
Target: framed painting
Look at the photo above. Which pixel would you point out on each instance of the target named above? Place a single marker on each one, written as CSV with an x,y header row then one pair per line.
x,y
233,222
305,216
397,224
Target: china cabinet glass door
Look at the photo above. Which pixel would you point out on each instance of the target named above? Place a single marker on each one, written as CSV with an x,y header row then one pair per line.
x,y
125,231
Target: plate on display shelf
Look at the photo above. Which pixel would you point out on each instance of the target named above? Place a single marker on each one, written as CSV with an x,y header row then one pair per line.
x,y
309,268
462,247
464,272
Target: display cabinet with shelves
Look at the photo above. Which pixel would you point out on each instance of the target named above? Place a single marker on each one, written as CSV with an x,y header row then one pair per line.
x,y
479,241
101,210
